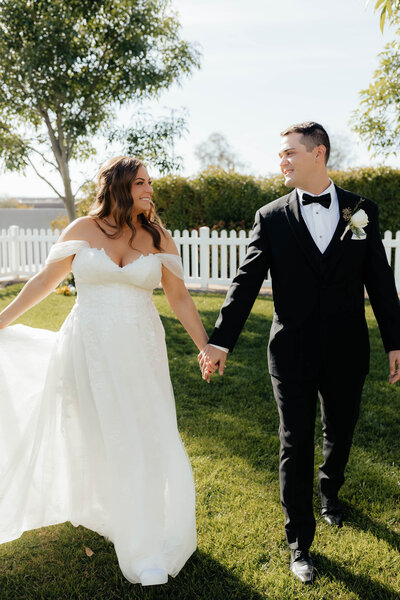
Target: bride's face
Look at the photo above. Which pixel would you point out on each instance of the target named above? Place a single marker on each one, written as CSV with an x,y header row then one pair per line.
x,y
141,191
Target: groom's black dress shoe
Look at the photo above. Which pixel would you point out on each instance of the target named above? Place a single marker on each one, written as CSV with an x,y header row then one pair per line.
x,y
332,513
302,565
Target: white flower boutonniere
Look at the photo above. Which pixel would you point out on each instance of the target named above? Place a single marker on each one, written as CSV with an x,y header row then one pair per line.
x,y
357,220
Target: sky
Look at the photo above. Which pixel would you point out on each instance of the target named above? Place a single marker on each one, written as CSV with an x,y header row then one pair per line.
x,y
265,65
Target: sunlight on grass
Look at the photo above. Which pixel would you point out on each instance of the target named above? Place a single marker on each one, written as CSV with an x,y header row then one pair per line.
x,y
230,430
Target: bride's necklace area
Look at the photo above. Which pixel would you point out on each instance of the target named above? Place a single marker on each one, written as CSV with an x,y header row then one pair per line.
x,y
124,233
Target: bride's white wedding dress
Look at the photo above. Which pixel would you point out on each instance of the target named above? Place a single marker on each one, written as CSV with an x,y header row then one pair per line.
x,y
88,430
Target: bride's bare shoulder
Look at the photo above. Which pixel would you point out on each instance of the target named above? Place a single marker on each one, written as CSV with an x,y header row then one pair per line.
x,y
82,228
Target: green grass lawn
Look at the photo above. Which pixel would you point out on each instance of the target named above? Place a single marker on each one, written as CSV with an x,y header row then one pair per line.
x,y
230,430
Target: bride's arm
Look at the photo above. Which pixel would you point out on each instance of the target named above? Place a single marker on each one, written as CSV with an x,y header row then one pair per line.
x,y
183,306
182,303
37,288
41,284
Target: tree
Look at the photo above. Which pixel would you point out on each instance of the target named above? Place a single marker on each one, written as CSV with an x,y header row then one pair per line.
x,y
388,11
216,152
6,202
66,65
342,153
154,140
377,121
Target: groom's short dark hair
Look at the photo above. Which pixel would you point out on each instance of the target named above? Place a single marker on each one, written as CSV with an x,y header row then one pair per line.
x,y
313,135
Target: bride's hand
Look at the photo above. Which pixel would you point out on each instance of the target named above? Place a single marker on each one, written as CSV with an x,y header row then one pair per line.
x,y
3,323
211,359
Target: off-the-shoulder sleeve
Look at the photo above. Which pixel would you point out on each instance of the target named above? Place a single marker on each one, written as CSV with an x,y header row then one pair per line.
x,y
173,263
61,250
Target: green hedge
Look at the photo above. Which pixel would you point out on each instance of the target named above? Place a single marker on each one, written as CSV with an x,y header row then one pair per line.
x,y
228,200
380,184
215,198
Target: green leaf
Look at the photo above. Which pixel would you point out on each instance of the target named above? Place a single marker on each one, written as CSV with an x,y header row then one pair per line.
x,y
383,18
377,121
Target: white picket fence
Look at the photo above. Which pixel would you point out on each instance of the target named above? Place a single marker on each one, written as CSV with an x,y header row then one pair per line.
x,y
209,258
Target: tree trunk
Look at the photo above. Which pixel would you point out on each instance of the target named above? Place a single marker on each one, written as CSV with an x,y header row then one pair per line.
x,y
61,154
69,199
63,164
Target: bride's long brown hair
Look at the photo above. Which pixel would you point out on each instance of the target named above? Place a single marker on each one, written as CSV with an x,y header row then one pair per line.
x,y
113,198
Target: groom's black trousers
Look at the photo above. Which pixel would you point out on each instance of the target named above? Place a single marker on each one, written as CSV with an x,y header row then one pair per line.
x,y
340,396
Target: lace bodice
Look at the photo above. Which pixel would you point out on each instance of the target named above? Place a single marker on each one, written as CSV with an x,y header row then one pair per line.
x,y
94,266
111,294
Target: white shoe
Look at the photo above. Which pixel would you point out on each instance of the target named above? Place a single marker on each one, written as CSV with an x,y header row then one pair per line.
x,y
153,577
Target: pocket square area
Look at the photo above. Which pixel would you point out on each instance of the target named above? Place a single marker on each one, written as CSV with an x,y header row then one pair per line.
x,y
362,237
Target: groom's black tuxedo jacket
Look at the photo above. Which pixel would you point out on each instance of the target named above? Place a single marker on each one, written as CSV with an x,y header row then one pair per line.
x,y
319,319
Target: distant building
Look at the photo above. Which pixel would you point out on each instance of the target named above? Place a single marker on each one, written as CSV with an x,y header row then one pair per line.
x,y
40,202
30,218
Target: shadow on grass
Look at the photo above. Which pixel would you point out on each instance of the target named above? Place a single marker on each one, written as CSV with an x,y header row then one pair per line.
x,y
379,423
360,520
9,292
100,578
361,585
204,578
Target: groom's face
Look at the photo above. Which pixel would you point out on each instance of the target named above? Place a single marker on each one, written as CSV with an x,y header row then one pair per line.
x,y
297,163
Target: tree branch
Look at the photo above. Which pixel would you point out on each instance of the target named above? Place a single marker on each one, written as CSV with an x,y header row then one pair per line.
x,y
60,133
49,162
84,183
53,140
44,178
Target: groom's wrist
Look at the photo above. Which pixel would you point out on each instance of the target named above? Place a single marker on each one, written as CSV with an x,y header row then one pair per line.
x,y
220,348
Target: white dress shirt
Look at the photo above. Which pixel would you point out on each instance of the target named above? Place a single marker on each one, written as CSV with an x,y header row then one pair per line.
x,y
321,222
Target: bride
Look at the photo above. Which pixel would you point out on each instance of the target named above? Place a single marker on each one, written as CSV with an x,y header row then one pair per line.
x,y
88,431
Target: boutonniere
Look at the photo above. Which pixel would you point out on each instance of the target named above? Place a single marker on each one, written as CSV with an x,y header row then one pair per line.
x,y
357,219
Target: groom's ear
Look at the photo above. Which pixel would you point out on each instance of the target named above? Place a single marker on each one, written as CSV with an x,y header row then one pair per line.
x,y
320,154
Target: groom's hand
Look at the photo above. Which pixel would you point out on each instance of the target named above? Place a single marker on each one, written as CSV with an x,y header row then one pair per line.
x,y
210,359
394,366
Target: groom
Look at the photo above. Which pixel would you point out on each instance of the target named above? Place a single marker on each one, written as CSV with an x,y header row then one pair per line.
x,y
318,344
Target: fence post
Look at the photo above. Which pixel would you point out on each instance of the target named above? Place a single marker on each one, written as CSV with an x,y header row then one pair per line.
x,y
396,266
204,256
14,251
387,244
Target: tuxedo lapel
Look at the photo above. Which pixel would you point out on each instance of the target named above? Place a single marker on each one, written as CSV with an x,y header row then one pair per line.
x,y
301,232
337,246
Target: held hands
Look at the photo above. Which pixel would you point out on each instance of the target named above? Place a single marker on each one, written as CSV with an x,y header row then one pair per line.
x,y
394,365
210,359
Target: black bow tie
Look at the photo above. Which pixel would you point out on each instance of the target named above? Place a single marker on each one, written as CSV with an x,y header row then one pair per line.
x,y
324,200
